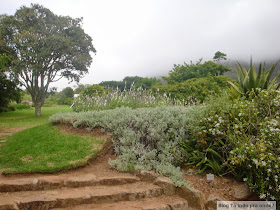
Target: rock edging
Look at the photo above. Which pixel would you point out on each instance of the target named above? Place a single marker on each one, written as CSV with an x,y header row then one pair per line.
x,y
195,198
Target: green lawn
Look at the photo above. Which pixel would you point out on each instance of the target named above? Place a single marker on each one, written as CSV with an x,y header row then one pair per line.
x,y
41,147
26,118
44,148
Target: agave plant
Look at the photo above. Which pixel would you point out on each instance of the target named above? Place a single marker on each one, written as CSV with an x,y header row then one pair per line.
x,y
251,79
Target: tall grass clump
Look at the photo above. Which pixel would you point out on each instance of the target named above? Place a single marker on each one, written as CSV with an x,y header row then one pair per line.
x,y
144,138
113,98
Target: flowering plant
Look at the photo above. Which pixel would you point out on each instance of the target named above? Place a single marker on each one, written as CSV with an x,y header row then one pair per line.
x,y
245,134
133,98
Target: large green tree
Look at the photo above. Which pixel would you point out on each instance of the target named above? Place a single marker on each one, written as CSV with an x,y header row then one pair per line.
x,y
48,47
219,56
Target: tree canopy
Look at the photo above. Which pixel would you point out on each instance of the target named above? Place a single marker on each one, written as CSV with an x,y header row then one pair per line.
x,y
219,56
195,89
48,47
181,73
93,90
137,81
8,86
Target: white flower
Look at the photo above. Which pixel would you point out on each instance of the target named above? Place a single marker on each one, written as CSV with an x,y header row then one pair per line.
x,y
262,196
255,161
272,198
245,179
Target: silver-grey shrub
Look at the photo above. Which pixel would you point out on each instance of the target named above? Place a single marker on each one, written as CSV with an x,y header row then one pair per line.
x,y
144,138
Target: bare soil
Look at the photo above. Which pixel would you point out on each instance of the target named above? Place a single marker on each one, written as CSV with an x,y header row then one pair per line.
x,y
4,133
10,131
222,186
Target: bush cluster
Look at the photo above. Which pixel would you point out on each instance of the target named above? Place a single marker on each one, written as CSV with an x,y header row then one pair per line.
x,y
196,90
20,106
241,137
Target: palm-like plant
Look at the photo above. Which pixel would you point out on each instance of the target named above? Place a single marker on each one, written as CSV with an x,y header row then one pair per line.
x,y
249,79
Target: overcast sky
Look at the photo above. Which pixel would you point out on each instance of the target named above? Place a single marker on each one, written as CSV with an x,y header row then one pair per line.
x,y
146,37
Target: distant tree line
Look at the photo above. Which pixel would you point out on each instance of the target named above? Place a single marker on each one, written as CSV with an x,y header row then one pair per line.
x,y
193,81
137,81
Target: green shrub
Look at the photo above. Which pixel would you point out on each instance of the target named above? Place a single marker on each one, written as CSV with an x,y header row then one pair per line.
x,y
145,138
241,137
14,107
181,73
68,101
20,106
256,155
52,100
93,90
7,109
196,89
207,148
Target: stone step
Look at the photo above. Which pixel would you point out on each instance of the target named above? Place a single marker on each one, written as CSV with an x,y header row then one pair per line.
x,y
162,202
67,197
57,182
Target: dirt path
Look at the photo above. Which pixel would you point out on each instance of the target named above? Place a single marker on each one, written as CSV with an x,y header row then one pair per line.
x,y
4,133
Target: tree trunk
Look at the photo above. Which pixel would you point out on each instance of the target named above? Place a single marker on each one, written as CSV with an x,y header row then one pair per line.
x,y
38,109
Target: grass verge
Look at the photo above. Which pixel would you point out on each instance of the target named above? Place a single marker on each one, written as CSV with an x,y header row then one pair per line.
x,y
26,117
45,149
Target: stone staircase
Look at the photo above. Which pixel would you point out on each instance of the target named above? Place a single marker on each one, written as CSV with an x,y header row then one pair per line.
x,y
144,190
